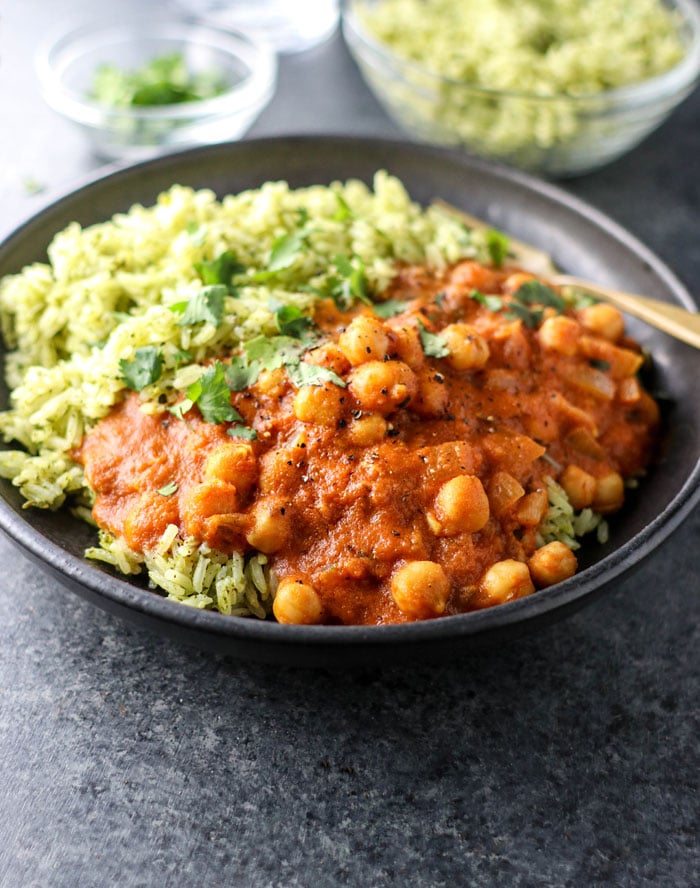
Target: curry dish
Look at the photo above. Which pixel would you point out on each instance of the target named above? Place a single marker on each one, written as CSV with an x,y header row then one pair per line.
x,y
403,469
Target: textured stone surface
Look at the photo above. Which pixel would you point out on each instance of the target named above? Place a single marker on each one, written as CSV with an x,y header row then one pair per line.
x,y
568,759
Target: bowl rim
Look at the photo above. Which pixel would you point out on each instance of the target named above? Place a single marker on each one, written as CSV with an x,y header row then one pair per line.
x,y
682,76
255,87
113,592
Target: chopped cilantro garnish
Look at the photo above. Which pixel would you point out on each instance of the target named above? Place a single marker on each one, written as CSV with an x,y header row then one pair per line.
x,y
241,431
389,308
343,212
312,374
531,317
206,306
353,278
197,232
497,244
169,489
286,249
291,320
220,270
434,345
493,303
212,395
181,357
144,370
537,293
241,373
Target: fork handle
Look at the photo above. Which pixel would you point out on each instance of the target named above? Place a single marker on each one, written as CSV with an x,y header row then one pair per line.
x,y
678,322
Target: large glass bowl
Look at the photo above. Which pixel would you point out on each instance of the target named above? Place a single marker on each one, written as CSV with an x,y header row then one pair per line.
x,y
551,135
66,67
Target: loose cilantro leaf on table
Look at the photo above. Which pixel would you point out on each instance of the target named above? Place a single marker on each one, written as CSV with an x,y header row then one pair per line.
x,y
144,370
434,345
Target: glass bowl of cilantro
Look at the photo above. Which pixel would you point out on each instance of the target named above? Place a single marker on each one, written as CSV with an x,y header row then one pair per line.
x,y
145,86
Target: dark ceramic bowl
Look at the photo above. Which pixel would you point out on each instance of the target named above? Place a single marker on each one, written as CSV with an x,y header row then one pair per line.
x,y
581,241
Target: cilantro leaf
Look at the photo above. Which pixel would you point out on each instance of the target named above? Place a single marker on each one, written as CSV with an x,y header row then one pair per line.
x,y
537,293
206,306
285,249
220,270
241,431
353,279
343,212
241,374
169,489
213,396
144,370
497,245
434,345
493,303
181,357
312,374
389,308
291,321
531,317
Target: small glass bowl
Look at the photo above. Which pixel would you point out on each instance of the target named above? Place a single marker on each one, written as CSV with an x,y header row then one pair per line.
x,y
66,68
550,135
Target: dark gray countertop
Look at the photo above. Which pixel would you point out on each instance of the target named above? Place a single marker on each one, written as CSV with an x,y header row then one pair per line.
x,y
567,759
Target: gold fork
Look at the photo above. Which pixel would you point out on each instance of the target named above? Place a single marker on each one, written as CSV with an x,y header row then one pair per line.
x,y
672,319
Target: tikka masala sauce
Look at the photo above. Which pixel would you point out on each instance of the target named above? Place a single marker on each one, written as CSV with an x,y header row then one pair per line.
x,y
392,498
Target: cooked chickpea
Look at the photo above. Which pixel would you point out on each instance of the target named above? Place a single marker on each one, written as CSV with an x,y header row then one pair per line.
x,y
420,589
461,506
433,395
552,564
368,429
364,339
560,334
330,356
468,350
272,383
233,462
271,525
504,581
319,404
604,320
407,345
297,602
579,486
609,493
382,386
202,501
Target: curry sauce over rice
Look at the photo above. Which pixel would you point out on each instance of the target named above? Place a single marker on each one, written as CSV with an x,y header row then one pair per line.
x,y
411,482
324,404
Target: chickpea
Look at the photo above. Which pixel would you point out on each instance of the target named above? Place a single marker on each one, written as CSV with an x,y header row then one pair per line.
x,y
271,526
202,501
407,345
560,334
297,602
364,339
461,506
433,395
319,404
504,581
368,429
330,356
579,486
233,462
604,320
552,564
382,386
420,589
272,383
468,350
609,493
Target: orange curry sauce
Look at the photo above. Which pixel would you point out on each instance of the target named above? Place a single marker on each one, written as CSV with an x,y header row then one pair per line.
x,y
417,489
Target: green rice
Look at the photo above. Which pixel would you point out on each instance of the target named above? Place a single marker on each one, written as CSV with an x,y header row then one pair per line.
x,y
107,290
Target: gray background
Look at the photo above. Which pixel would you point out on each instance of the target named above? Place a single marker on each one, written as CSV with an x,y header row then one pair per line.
x,y
567,759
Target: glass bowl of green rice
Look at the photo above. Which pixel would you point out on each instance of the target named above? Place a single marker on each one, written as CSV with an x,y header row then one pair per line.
x,y
555,87
145,86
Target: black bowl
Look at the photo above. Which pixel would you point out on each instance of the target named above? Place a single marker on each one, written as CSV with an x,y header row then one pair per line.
x,y
581,240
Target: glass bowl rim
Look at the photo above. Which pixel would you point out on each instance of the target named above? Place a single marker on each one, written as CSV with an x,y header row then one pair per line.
x,y
676,79
250,91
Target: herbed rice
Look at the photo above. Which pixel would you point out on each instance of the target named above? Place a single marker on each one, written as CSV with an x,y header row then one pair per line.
x,y
106,292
